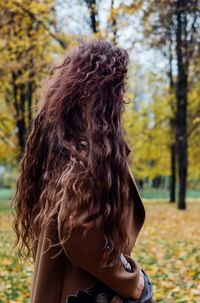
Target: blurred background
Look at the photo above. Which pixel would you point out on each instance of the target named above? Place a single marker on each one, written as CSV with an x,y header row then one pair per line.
x,y
161,120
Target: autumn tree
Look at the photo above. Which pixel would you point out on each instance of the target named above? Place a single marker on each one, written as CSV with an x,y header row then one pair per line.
x,y
27,35
173,26
159,30
147,126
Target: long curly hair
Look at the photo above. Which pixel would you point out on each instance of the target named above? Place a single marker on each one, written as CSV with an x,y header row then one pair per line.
x,y
76,155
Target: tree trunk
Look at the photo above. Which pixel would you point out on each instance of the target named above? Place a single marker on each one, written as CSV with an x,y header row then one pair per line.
x,y
94,22
172,125
19,99
29,97
114,25
21,119
181,96
173,174
156,182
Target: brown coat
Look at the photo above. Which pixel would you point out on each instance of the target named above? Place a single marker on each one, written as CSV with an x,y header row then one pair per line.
x,y
77,266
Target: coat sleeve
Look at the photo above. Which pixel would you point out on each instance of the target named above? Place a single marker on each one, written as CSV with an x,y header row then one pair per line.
x,y
85,252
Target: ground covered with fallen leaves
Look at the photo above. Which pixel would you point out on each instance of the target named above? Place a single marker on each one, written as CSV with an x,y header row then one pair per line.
x,y
168,249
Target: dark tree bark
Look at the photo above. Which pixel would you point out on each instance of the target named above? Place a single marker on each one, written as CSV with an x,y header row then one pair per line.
x,y
156,183
94,20
21,119
114,25
141,183
29,99
30,90
19,99
181,95
172,125
173,174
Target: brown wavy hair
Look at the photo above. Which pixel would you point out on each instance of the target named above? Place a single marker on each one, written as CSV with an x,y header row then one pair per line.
x,y
76,154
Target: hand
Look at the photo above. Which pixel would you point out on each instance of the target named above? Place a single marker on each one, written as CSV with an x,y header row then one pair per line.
x,y
138,291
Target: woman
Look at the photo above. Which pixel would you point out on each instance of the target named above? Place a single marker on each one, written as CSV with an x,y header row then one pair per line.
x,y
77,208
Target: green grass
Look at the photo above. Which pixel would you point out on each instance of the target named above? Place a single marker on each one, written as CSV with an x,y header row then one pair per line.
x,y
153,193
6,193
